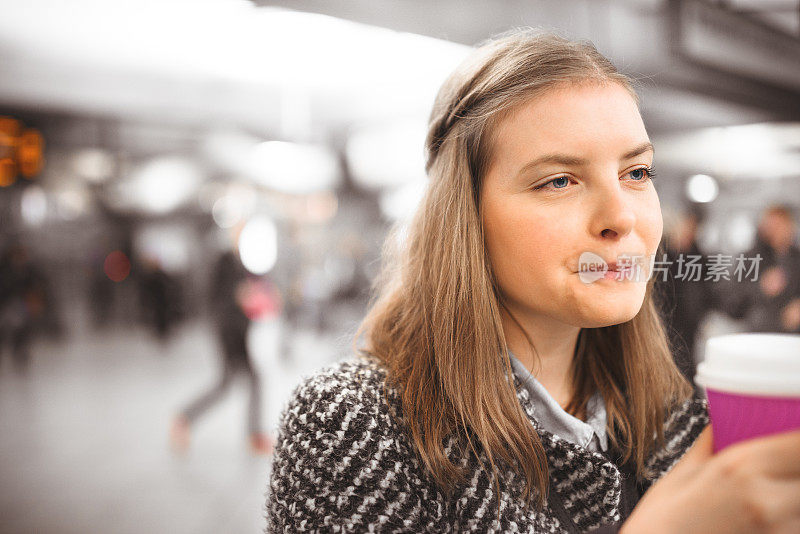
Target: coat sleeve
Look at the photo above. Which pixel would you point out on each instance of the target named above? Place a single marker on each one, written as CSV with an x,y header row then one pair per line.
x,y
339,466
681,430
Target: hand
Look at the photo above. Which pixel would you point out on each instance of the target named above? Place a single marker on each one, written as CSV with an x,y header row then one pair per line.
x,y
752,486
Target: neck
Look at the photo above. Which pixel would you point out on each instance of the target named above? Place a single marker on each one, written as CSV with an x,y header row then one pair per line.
x,y
554,341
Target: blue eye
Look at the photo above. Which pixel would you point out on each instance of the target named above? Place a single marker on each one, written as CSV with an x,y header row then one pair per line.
x,y
641,174
558,183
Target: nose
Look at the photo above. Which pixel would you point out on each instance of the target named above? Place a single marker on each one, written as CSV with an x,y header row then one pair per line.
x,y
614,217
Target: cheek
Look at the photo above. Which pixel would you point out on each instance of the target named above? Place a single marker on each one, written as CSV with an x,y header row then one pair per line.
x,y
652,223
523,246
517,234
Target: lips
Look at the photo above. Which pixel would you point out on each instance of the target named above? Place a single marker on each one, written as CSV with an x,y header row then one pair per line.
x,y
625,265
593,267
612,266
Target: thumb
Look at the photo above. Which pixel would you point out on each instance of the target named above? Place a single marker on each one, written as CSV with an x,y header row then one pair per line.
x,y
703,445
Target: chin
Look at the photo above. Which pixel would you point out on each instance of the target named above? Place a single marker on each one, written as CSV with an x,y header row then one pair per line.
x,y
610,314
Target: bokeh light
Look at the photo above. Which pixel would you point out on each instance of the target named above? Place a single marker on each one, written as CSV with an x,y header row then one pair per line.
x,y
33,205
702,188
258,245
93,164
117,266
294,168
159,186
388,155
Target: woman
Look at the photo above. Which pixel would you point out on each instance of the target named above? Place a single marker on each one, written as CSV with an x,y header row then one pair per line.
x,y
500,389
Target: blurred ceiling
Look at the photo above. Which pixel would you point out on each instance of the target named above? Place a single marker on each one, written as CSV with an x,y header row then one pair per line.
x,y
319,69
215,63
702,63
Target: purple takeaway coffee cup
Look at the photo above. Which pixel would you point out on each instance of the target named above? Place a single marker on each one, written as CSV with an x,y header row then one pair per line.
x,y
753,385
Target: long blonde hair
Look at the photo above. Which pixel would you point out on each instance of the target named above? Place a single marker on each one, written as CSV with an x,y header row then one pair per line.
x,y
435,321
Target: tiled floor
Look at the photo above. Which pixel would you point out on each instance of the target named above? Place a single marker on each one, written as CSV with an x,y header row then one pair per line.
x,y
83,437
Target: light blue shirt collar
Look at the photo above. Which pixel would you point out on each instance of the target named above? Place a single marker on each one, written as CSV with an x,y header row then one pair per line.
x,y
590,434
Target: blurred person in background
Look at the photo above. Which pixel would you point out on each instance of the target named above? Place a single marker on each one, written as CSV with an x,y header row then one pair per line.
x,y
771,303
686,299
101,294
234,299
23,302
102,290
158,297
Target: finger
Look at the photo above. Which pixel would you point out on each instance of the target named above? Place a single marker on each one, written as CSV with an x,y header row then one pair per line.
x,y
703,445
781,502
776,455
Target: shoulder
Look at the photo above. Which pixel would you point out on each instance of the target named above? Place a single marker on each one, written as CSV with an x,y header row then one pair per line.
x,y
343,398
681,428
340,402
346,402
342,461
351,379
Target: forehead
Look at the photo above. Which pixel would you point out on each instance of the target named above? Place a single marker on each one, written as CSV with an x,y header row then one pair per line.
x,y
579,119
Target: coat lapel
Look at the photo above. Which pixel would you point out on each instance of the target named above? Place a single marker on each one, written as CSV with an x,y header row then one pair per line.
x,y
588,484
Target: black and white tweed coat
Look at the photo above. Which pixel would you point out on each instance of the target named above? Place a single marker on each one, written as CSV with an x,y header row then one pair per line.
x,y
344,464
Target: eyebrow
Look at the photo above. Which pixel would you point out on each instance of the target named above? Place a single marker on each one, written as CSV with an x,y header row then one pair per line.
x,y
564,159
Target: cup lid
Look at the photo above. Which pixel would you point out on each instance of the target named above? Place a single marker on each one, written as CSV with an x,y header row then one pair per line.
x,y
755,363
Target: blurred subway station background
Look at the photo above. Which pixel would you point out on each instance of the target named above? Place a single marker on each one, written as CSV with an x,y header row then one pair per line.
x,y
194,195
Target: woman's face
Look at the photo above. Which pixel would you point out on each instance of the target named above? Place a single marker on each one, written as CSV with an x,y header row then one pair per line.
x,y
568,177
